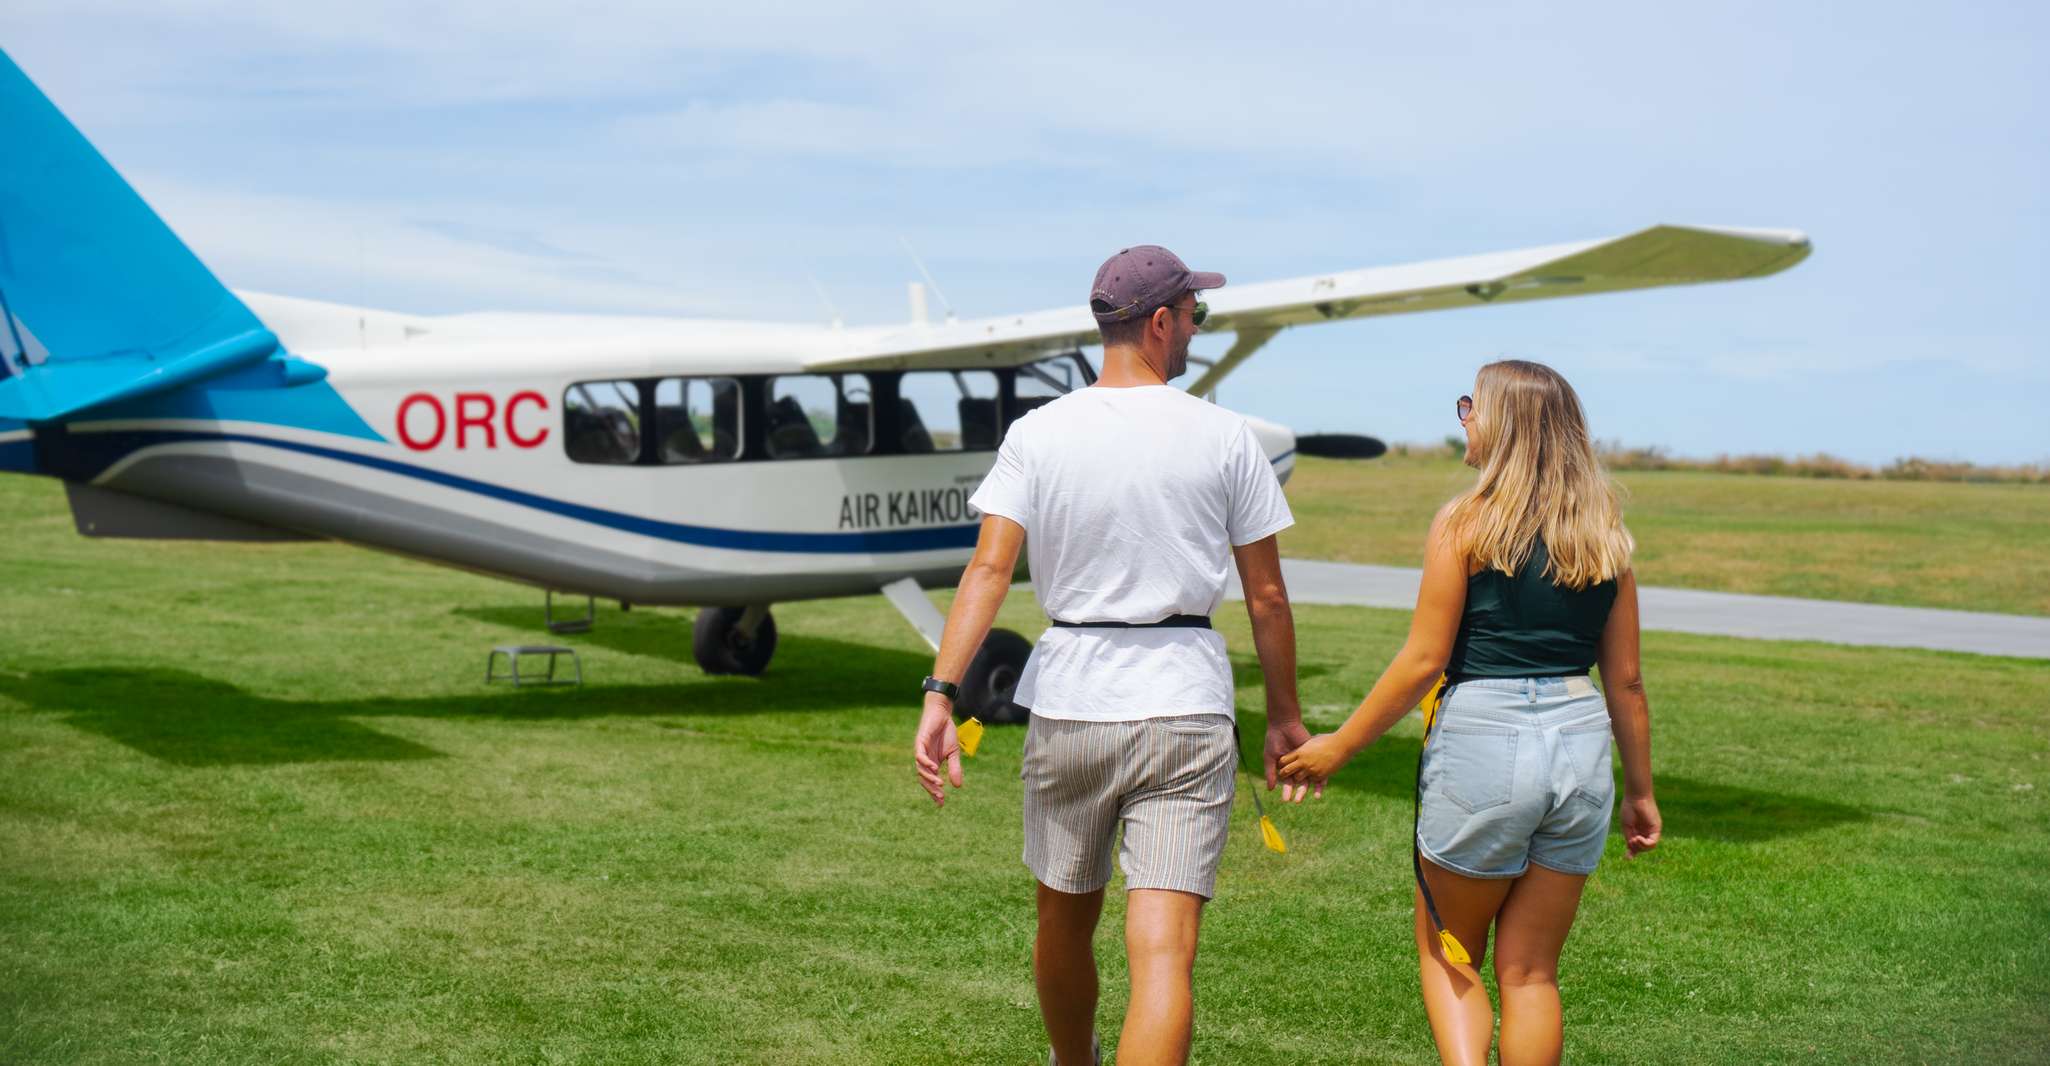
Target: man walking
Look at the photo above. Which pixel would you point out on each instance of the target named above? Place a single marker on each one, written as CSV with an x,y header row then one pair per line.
x,y
1132,497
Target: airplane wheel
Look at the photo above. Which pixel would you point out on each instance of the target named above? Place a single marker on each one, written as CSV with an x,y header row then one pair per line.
x,y
722,649
992,679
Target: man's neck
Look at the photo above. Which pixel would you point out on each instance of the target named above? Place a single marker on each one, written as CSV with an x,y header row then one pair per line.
x,y
1125,367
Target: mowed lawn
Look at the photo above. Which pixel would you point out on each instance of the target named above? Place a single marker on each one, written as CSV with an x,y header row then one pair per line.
x,y
256,805
1967,547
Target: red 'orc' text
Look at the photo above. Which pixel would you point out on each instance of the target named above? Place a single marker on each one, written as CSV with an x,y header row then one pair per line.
x,y
470,419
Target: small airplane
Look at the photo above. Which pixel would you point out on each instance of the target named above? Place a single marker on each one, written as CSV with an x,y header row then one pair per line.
x,y
718,464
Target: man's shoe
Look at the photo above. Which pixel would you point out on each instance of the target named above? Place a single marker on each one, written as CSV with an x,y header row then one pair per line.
x,y
1095,1052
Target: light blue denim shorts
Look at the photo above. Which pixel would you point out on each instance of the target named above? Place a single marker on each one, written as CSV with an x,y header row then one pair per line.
x,y
1517,772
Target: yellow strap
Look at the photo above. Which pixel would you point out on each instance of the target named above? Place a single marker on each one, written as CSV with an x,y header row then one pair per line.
x,y
969,733
1449,945
1432,701
1271,836
1455,952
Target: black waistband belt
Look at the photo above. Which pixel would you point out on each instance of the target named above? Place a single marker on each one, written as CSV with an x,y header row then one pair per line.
x,y
1173,621
1460,679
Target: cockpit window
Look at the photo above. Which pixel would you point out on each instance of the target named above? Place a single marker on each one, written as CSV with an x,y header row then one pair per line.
x,y
697,420
947,411
816,415
601,422
1058,376
1038,383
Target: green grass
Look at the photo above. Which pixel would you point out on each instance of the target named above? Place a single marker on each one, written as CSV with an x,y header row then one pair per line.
x,y
1971,547
257,806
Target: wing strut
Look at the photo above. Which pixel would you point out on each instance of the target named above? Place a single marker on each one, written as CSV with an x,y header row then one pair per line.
x,y
1247,341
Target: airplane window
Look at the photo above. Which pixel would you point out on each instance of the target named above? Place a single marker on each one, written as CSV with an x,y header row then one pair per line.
x,y
601,421
947,411
817,415
697,420
1037,383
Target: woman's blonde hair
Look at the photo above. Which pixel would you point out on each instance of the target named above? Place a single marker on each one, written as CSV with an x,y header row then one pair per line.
x,y
1539,478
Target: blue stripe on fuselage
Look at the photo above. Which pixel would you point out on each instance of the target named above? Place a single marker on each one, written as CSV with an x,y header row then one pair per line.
x,y
98,451
18,456
252,394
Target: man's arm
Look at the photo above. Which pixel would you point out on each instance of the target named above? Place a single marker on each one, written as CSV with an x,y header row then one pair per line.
x,y
1259,565
981,592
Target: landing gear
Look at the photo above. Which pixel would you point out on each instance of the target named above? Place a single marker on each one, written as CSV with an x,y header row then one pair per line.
x,y
992,675
992,679
734,640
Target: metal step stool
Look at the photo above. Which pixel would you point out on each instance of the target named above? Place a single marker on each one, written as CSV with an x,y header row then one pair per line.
x,y
512,653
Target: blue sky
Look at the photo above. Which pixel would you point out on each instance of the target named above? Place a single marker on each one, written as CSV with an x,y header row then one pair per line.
x,y
655,158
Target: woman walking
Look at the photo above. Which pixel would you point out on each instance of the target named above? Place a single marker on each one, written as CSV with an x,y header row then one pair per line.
x,y
1526,585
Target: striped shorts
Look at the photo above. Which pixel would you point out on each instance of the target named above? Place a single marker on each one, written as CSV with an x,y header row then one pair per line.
x,y
1167,782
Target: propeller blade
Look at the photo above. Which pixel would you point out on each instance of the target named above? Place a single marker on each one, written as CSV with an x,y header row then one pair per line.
x,y
1339,446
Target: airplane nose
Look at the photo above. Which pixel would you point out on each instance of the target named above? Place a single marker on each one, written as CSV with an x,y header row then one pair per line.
x,y
1279,444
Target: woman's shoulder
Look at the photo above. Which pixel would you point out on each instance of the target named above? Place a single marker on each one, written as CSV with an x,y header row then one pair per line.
x,y
1446,536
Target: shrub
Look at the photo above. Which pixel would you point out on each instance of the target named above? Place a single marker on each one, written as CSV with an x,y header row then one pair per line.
x,y
1617,456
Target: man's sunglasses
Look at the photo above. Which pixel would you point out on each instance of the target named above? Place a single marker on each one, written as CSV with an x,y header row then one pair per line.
x,y
1464,408
1196,314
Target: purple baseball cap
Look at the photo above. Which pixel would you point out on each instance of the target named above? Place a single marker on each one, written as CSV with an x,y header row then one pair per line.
x,y
1142,279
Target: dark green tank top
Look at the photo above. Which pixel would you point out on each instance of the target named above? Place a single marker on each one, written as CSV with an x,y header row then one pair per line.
x,y
1525,626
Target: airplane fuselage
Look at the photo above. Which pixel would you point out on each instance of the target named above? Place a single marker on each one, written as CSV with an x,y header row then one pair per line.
x,y
689,464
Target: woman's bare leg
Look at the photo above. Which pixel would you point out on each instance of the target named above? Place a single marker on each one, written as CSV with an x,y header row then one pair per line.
x,y
1529,933
1462,1019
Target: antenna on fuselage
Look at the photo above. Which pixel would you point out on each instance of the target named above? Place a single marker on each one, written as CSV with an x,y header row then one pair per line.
x,y
918,298
832,313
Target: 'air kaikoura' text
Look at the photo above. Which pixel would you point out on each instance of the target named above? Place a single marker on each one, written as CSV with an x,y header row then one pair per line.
x,y
875,510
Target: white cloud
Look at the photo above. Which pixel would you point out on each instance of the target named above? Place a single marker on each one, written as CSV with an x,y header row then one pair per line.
x,y
808,128
335,251
1309,83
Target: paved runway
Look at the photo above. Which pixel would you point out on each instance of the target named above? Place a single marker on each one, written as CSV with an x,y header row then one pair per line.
x,y
1720,613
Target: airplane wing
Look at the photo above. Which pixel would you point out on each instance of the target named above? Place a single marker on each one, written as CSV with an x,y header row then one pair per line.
x,y
1661,255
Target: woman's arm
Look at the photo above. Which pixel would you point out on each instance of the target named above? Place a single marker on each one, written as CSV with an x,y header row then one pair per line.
x,y
1432,629
1629,716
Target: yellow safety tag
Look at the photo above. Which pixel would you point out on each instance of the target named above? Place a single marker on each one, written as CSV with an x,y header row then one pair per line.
x,y
1269,834
1455,952
1432,701
969,733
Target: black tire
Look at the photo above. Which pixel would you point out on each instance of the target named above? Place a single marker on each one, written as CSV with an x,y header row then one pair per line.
x,y
720,649
992,679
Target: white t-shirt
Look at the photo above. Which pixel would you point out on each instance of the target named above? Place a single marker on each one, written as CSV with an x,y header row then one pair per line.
x,y
1131,499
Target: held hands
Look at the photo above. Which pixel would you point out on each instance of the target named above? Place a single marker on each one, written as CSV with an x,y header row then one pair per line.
x,y
1315,761
1283,738
1641,824
937,746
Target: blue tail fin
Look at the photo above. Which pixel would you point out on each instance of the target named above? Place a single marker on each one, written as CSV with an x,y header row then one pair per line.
x,y
101,301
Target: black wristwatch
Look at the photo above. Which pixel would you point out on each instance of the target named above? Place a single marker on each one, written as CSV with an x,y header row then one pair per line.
x,y
945,688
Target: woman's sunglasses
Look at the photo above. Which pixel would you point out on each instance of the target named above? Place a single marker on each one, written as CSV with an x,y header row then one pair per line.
x,y
1464,408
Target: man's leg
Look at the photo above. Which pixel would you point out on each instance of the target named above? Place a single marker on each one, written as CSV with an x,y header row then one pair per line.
x,y
1175,832
1160,941
1064,967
